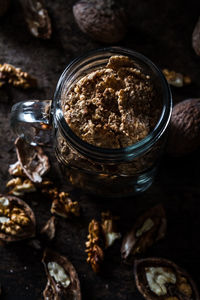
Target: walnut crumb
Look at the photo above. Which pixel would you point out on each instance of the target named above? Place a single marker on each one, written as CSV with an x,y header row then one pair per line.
x,y
114,106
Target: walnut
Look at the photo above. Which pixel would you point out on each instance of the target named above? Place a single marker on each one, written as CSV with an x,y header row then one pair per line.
x,y
48,188
20,187
184,128
4,5
37,18
17,220
94,246
147,229
196,38
63,282
49,229
158,278
101,236
103,20
64,206
109,228
16,77
176,79
53,193
16,170
32,160
58,273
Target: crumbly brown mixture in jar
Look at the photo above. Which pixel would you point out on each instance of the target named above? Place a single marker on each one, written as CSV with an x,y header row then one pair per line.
x,y
114,106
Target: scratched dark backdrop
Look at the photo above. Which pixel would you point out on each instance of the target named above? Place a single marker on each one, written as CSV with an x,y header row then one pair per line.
x,y
162,31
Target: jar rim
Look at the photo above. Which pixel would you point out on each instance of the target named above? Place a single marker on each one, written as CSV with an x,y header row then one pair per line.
x,y
113,154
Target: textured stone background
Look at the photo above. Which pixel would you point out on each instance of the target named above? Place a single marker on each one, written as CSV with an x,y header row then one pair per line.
x,y
162,31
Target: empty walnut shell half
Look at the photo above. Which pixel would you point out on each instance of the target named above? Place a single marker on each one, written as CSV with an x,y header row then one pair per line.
x,y
148,228
17,220
63,282
159,278
37,18
102,20
32,160
184,129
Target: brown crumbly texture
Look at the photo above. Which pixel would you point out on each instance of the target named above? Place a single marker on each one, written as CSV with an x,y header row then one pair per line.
x,y
16,77
112,107
17,219
20,186
94,247
64,206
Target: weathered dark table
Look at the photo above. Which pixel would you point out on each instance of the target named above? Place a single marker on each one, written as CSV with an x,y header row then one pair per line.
x,y
161,31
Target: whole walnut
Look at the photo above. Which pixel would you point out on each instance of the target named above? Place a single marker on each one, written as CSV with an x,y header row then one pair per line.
x,y
102,20
196,38
184,129
4,5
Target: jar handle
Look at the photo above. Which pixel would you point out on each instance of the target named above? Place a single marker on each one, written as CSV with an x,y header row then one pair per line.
x,y
31,120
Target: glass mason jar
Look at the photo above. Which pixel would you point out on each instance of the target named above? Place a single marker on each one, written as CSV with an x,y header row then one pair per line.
x,y
100,171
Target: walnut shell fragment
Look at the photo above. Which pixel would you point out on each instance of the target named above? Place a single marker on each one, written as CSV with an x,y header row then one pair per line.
x,y
196,38
109,228
149,228
63,282
32,160
49,229
37,18
102,20
17,220
184,128
159,278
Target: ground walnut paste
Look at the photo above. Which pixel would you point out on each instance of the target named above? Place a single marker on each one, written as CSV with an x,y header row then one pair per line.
x,y
114,106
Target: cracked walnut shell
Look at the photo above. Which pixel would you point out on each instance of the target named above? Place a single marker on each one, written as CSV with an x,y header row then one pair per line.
x,y
32,160
148,228
159,278
17,220
37,18
62,278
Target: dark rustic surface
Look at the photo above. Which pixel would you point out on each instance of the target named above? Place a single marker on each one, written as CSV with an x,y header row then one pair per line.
x,y
162,31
